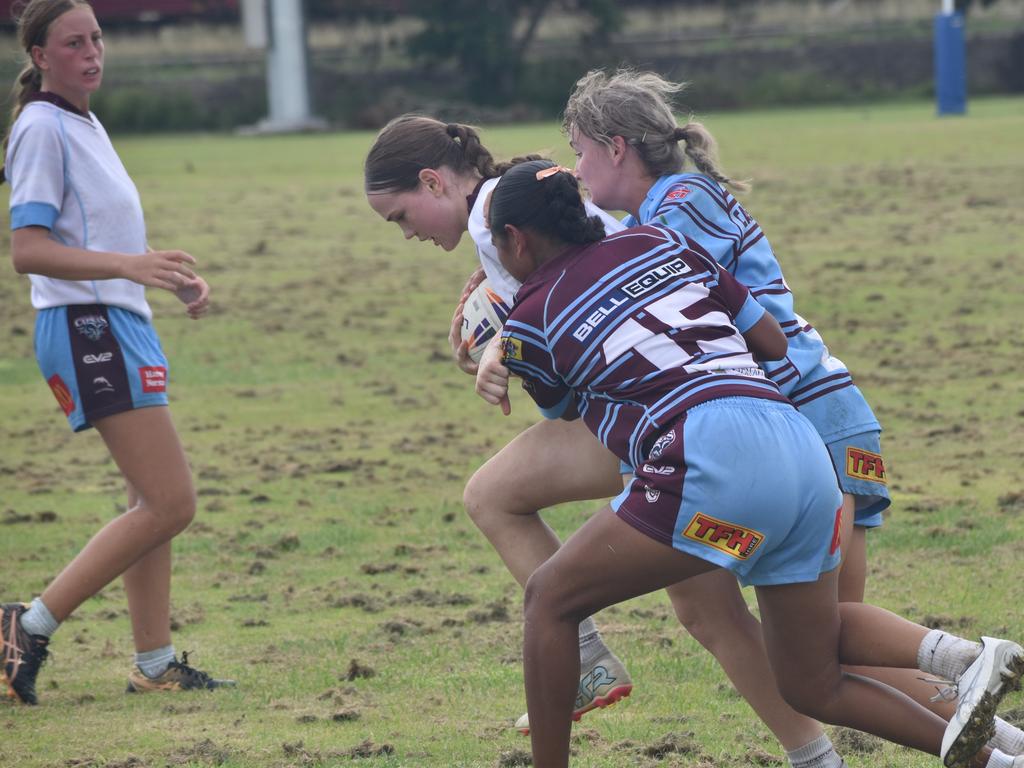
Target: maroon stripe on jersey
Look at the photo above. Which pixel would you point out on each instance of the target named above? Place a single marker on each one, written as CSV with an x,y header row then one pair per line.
x,y
822,393
819,382
750,243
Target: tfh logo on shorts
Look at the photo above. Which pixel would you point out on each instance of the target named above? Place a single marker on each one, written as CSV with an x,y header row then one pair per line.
x,y
865,465
154,378
725,537
91,326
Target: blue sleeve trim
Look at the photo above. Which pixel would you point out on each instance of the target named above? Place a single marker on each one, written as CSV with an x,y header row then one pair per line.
x,y
556,411
749,314
33,215
625,468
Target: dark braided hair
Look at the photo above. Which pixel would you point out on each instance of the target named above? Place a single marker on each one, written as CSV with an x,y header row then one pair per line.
x,y
411,143
551,205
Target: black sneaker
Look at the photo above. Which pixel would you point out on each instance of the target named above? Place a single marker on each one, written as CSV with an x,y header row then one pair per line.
x,y
23,654
178,676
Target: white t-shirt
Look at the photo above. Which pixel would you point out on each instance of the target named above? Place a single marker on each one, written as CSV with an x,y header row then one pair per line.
x,y
501,281
65,176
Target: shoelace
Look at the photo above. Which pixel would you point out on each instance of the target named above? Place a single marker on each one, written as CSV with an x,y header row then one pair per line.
x,y
946,690
191,672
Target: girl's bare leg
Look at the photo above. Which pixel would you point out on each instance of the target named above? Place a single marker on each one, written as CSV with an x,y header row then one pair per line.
x,y
807,663
714,612
549,463
147,584
146,448
571,585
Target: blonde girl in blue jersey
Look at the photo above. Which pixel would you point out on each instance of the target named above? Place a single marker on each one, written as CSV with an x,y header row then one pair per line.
x,y
79,233
648,340
632,156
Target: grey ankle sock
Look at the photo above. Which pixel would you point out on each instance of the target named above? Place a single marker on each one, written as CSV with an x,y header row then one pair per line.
x,y
154,663
591,644
819,753
38,620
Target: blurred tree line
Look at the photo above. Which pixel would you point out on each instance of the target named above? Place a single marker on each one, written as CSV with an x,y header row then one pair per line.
x,y
488,40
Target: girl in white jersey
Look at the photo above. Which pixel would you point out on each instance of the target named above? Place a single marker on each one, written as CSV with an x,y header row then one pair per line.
x,y
79,233
432,179
631,155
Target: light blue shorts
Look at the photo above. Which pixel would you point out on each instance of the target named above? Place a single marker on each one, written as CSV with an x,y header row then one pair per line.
x,y
861,472
99,360
745,484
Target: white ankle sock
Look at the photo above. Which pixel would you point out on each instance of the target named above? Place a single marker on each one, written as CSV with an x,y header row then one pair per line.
x,y
38,620
1008,738
946,655
999,759
819,753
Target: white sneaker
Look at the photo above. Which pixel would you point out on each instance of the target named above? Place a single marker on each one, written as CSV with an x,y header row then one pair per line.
x,y
604,682
979,690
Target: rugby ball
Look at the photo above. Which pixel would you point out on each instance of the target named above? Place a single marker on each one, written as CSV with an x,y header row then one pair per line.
x,y
482,317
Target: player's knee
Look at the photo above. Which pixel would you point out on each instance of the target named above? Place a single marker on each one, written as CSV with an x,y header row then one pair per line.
x,y
712,624
175,511
809,695
546,599
485,504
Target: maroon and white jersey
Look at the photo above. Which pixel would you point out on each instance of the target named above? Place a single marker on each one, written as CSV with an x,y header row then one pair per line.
x,y
632,331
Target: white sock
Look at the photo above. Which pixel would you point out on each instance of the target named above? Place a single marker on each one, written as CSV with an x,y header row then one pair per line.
x,y
819,753
591,644
946,655
154,663
38,620
1008,738
999,759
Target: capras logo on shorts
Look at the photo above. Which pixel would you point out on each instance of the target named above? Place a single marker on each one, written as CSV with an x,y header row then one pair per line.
x,y
91,326
865,465
661,444
653,277
725,537
102,357
154,378
62,393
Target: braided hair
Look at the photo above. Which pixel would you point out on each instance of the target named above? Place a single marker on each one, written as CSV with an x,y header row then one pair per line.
x,y
638,107
412,143
549,204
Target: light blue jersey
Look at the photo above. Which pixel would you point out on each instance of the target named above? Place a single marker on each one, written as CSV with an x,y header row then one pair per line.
x,y
816,382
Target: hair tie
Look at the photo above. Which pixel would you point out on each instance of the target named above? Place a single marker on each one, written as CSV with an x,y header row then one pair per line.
x,y
452,129
543,173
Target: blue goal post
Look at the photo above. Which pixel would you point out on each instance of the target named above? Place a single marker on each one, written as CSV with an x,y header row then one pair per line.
x,y
950,61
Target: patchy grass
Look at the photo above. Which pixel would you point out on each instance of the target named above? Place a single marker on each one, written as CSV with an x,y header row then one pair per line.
x,y
331,569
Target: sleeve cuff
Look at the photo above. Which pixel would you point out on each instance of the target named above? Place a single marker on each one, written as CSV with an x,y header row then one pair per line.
x,y
33,215
556,411
748,315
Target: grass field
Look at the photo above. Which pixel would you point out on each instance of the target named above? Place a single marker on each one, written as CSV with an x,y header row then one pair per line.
x,y
331,569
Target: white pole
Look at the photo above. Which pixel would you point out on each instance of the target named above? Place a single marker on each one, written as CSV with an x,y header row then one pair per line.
x,y
287,72
947,7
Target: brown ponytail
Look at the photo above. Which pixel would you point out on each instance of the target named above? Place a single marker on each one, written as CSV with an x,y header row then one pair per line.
x,y
410,143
